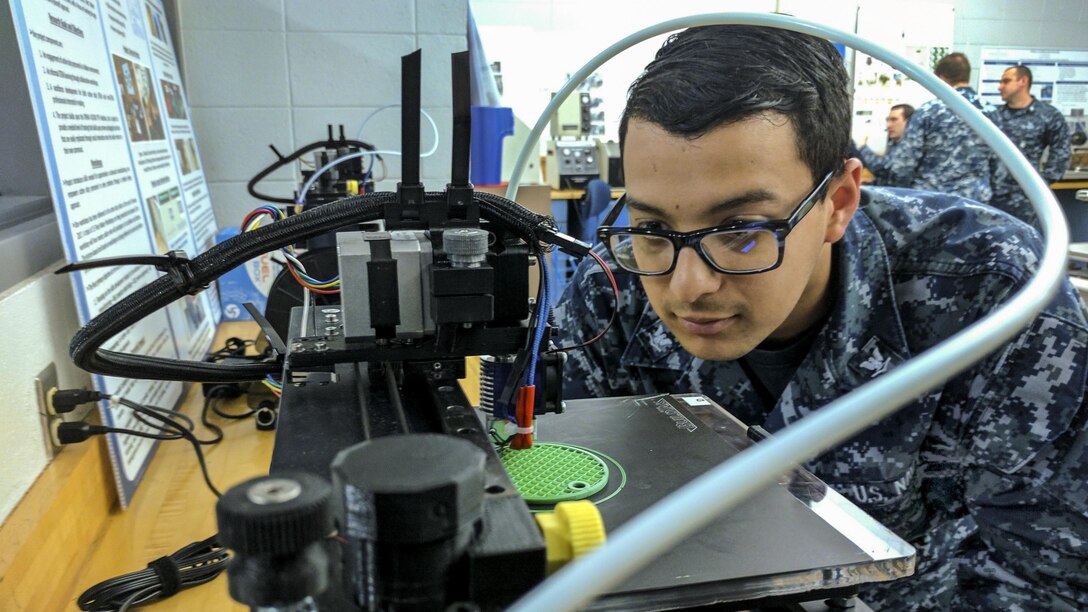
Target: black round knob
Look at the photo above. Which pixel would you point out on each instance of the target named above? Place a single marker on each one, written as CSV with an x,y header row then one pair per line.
x,y
274,515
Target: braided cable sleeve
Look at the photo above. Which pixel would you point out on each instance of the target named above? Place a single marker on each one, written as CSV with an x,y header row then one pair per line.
x,y
516,215
85,346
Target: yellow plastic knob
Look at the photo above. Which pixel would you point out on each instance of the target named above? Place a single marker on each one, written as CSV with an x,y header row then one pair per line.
x,y
572,530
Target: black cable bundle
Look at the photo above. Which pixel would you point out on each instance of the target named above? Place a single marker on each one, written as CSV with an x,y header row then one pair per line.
x,y
86,350
190,566
204,269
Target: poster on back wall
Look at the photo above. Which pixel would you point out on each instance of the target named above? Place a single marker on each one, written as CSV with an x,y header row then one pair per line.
x,y
126,179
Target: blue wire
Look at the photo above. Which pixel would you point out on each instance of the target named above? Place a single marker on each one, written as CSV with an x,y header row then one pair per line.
x,y
275,213
271,210
541,320
369,169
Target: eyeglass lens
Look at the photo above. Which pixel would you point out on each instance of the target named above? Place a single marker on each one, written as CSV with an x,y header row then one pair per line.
x,y
735,251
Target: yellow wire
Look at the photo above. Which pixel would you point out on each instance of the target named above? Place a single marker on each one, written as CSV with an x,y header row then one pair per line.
x,y
256,222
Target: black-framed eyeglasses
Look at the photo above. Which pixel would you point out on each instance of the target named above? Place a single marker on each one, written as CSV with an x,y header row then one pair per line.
x,y
743,247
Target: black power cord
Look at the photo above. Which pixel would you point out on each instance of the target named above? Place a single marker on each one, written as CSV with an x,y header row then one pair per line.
x,y
190,566
165,422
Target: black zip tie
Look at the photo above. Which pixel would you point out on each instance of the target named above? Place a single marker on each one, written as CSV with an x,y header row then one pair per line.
x,y
175,263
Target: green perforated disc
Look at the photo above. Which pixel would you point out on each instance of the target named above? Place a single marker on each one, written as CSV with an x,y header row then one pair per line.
x,y
549,473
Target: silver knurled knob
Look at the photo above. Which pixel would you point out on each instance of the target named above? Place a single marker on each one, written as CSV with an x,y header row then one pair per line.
x,y
466,246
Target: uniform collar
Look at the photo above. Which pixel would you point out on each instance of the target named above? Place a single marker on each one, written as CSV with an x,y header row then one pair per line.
x,y
1030,108
862,338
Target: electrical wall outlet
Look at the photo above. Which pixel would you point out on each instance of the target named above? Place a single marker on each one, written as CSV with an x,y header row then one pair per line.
x,y
43,382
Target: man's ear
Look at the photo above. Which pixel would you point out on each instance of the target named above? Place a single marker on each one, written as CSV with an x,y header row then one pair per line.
x,y
843,196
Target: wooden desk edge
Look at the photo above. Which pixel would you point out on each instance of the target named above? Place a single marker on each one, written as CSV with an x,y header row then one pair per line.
x,y
1069,185
576,194
48,536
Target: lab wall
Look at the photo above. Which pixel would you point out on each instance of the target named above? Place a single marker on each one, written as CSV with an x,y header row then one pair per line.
x,y
277,71
38,319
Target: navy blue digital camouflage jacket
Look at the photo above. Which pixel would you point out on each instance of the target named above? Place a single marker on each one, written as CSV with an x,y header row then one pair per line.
x,y
987,476
1033,129
939,152
879,165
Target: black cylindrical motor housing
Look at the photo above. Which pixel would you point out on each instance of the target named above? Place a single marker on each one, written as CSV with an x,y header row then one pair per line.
x,y
409,506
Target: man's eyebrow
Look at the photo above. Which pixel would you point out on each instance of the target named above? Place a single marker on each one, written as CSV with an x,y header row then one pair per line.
x,y
754,196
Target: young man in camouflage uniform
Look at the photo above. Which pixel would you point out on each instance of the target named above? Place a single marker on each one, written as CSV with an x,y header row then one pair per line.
x,y
1033,126
939,152
733,130
878,165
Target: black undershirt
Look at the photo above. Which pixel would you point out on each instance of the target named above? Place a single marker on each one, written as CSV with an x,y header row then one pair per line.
x,y
771,369
770,366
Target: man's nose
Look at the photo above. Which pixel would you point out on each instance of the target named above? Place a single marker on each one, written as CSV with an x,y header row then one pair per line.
x,y
693,278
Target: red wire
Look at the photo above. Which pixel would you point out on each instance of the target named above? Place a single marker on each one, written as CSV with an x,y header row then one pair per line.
x,y
523,413
615,307
253,214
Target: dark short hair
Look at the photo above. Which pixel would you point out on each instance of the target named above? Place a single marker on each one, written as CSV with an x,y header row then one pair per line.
x,y
954,67
710,76
907,109
1022,72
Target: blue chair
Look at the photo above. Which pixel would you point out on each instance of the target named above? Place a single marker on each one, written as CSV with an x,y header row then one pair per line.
x,y
590,211
583,217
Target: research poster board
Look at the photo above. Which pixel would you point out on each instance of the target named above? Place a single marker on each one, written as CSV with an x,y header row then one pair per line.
x,y
126,179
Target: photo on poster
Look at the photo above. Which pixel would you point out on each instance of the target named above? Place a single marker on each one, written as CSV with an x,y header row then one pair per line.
x,y
155,23
138,100
171,96
194,159
186,149
136,19
183,155
167,218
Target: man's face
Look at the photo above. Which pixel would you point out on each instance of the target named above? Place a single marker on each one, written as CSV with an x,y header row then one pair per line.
x,y
1011,85
750,170
896,124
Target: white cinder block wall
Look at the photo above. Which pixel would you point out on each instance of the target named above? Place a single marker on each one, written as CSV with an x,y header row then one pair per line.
x,y
38,318
262,72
